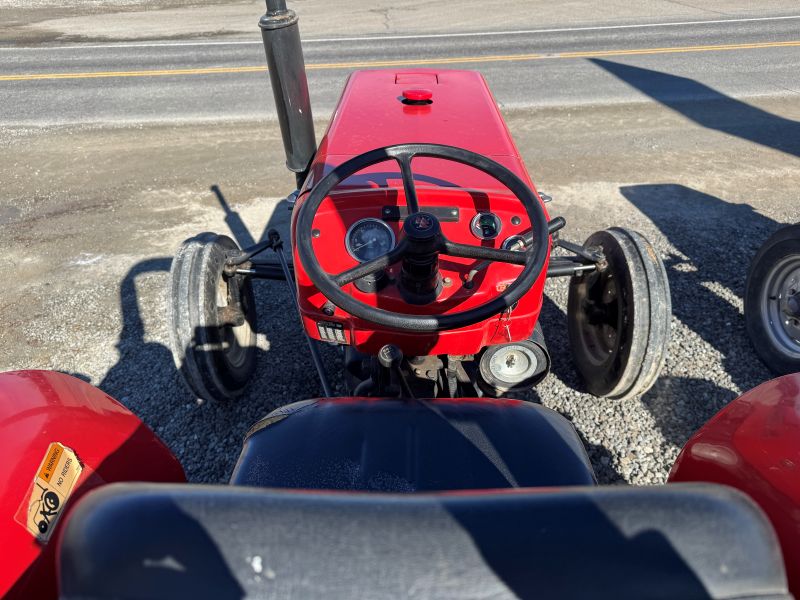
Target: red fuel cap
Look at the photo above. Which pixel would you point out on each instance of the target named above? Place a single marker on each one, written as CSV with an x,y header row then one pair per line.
x,y
417,94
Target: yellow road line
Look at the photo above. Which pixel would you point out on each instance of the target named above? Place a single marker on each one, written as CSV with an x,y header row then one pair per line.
x,y
679,49
146,73
402,62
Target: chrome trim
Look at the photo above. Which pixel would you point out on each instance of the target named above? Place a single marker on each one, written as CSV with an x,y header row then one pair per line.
x,y
477,231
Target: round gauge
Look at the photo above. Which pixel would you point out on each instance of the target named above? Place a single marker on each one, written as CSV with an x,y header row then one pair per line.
x,y
515,242
369,238
486,226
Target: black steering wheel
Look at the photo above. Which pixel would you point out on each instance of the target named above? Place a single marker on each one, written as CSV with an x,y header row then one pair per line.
x,y
423,235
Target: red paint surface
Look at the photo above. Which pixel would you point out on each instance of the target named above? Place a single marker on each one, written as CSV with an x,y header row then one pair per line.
x,y
370,115
40,407
753,444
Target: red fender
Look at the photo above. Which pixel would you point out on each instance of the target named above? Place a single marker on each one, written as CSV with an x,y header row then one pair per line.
x,y
40,408
753,444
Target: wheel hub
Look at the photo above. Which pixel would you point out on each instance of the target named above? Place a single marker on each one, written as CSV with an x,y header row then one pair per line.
x,y
790,304
781,306
601,307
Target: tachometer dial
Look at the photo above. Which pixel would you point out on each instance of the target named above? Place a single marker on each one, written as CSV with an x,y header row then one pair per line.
x,y
369,238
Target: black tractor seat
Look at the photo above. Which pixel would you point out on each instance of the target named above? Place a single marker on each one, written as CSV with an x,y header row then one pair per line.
x,y
197,541
412,445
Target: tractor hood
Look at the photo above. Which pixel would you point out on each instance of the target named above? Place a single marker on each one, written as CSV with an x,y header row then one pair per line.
x,y
386,107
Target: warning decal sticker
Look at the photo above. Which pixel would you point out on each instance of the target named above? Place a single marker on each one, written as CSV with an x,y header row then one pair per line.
x,y
51,489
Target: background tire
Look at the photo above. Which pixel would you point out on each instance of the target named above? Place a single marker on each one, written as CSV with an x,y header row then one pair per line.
x,y
773,274
619,319
216,359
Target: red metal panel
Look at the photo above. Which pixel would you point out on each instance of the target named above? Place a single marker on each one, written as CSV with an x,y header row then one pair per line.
x,y
41,407
753,444
463,113
371,114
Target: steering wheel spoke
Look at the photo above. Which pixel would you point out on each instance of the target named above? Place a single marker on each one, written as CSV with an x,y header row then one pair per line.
x,y
408,182
479,252
372,266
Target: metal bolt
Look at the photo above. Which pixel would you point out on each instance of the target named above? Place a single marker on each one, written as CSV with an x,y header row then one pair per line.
x,y
315,233
515,220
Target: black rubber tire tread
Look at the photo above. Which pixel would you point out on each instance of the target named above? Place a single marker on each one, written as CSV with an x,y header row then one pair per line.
x,y
195,334
660,314
782,243
219,377
181,330
636,367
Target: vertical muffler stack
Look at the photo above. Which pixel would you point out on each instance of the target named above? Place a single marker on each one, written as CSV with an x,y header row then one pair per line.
x,y
287,72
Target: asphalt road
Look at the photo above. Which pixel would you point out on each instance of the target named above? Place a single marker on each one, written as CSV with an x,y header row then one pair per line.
x,y
689,133
168,82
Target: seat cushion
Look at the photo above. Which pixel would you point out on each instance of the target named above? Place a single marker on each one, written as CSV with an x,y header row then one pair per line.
x,y
166,541
412,445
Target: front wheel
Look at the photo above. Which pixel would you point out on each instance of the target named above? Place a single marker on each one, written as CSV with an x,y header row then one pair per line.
x,y
618,317
772,301
211,319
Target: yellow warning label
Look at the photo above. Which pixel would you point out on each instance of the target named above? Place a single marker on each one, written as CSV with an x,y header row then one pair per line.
x,y
50,462
52,487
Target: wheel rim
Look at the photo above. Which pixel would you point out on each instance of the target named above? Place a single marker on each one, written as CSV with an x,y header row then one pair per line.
x,y
780,306
599,330
235,339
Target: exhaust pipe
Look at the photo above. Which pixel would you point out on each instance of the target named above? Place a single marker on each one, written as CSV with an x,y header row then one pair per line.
x,y
287,73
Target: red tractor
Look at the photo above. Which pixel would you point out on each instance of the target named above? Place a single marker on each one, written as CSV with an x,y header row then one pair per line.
x,y
426,263
420,247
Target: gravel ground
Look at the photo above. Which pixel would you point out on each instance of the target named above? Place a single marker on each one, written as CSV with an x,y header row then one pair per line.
x,y
90,219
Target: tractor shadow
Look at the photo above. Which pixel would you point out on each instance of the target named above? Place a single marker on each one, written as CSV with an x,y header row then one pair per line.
x,y
709,108
206,436
712,243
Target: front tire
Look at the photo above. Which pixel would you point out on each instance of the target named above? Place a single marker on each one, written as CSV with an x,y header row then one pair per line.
x,y
216,357
618,318
772,301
